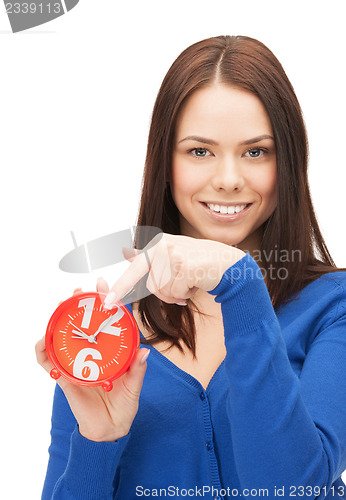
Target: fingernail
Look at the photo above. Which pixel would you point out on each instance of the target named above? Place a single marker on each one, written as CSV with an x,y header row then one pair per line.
x,y
182,303
109,301
145,357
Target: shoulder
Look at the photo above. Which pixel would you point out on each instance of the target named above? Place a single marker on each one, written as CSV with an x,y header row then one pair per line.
x,y
333,279
321,302
328,287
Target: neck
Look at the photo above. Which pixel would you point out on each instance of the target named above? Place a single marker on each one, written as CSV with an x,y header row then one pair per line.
x,y
251,244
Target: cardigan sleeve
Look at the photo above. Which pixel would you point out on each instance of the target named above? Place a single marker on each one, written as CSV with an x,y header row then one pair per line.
x,y
287,431
78,469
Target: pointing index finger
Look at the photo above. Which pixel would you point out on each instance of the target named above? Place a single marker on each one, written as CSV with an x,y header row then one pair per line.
x,y
137,269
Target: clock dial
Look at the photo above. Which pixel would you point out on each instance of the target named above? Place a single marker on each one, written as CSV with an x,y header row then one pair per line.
x,y
89,343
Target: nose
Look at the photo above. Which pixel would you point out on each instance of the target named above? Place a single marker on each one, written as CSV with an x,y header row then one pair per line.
x,y
228,175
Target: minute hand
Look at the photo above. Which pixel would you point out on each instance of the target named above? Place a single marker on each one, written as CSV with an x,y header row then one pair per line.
x,y
107,322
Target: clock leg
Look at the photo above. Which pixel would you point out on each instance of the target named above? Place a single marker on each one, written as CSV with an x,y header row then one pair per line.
x,y
107,386
54,374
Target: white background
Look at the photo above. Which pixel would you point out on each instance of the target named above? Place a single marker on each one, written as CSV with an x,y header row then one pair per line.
x,y
76,99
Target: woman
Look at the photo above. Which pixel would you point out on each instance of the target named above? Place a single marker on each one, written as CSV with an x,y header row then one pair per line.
x,y
244,392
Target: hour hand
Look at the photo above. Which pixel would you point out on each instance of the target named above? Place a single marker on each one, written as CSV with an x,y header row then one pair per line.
x,y
82,335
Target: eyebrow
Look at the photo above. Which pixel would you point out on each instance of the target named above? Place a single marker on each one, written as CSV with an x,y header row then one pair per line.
x,y
214,143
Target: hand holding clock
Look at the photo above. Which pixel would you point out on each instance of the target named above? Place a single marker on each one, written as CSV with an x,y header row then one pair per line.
x,y
178,266
102,416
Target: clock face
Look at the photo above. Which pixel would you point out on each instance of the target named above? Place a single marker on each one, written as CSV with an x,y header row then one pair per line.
x,y
88,344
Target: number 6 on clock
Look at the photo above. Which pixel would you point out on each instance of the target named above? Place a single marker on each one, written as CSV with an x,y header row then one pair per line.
x,y
87,369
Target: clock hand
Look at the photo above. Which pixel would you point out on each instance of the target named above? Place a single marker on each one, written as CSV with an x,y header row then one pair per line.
x,y
83,335
108,321
103,325
77,328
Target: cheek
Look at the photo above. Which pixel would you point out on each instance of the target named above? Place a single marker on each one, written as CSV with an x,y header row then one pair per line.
x,y
186,181
265,184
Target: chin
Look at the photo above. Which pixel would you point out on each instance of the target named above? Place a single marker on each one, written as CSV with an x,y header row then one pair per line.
x,y
232,237
222,237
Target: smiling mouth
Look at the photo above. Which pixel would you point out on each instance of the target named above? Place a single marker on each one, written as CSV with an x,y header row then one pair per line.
x,y
226,210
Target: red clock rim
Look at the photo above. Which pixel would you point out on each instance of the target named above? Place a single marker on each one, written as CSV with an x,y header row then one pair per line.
x,y
51,353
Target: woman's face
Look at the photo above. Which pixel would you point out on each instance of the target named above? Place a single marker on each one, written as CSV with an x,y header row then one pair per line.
x,y
224,166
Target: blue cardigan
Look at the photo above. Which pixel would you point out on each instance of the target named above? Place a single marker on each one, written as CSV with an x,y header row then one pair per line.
x,y
272,421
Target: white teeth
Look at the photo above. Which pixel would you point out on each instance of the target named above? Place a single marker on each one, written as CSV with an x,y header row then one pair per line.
x,y
238,208
226,210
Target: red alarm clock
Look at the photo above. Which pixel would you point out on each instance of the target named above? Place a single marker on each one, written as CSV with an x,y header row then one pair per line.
x,y
88,344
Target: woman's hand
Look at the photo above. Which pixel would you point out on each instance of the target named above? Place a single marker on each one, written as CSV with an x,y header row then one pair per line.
x,y
103,416
178,266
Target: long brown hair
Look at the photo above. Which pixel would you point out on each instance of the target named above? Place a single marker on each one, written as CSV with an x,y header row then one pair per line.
x,y
292,231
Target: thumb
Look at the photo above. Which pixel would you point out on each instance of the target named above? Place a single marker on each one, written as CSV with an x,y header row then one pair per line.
x,y
133,378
